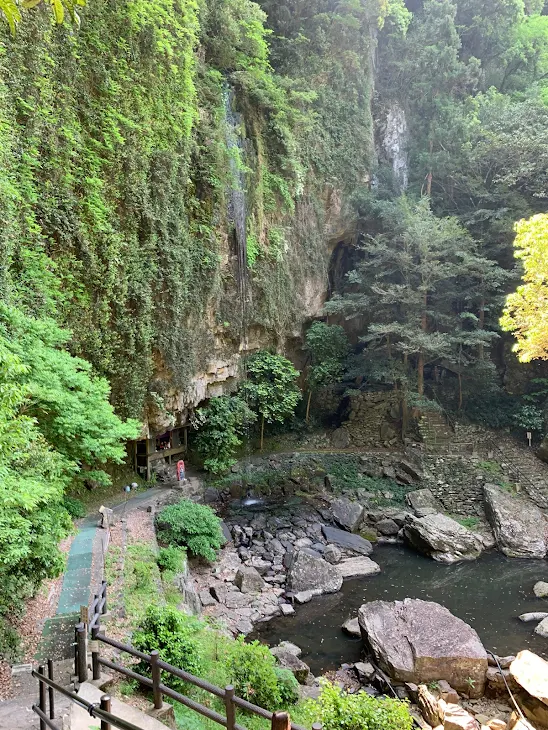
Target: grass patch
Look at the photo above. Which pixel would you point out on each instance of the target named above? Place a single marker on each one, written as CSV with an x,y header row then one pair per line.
x,y
491,467
469,522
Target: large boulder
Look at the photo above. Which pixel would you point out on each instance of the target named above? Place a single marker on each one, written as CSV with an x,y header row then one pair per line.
x,y
423,502
310,572
249,580
347,514
531,673
540,589
346,540
542,628
519,526
421,641
359,567
289,660
441,537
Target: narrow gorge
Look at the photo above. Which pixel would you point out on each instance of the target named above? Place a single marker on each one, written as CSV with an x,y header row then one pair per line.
x,y
273,345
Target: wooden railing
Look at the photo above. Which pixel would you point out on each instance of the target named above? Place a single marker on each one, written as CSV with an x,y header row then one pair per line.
x,y
278,720
47,714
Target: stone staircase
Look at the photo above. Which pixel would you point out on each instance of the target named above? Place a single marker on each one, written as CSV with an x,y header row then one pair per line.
x,y
441,437
523,466
17,714
436,432
92,692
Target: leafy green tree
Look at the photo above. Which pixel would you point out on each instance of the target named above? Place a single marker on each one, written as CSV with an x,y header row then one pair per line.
x,y
175,636
270,387
526,311
253,672
221,424
55,420
32,479
327,347
67,400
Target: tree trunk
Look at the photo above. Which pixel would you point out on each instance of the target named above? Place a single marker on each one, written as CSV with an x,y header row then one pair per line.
x,y
481,325
404,415
429,176
308,406
460,391
420,364
262,432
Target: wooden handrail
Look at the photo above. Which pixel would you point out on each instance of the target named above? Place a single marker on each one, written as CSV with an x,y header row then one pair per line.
x,y
279,720
90,707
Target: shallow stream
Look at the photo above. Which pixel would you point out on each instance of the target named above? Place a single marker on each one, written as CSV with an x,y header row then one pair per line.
x,y
489,594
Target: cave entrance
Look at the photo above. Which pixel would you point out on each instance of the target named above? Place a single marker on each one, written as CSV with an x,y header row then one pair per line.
x,y
343,259
166,446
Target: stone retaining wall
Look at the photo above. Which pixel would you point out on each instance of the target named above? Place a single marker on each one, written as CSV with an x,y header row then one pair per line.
x,y
372,421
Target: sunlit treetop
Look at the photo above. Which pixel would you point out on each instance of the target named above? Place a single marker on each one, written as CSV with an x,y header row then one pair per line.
x,y
526,311
13,10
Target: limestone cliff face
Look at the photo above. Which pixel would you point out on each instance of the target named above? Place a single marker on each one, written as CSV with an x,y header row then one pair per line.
x,y
220,364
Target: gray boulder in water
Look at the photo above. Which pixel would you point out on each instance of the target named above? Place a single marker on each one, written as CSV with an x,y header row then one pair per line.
x,y
310,572
423,502
347,514
441,537
534,616
421,641
519,526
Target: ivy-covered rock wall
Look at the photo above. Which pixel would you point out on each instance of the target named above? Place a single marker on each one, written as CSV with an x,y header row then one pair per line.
x,y
121,145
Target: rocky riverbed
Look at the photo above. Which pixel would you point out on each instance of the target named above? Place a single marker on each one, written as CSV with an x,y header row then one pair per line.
x,y
318,528
307,539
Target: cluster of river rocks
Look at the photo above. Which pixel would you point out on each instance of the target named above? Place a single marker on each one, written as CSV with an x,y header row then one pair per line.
x,y
440,666
285,555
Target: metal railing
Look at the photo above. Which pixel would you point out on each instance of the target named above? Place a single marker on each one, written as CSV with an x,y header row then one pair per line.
x,y
278,720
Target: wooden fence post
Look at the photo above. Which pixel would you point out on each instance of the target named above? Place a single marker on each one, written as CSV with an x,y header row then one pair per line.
x,y
95,666
280,721
51,691
42,697
104,595
229,707
76,651
81,640
155,671
105,706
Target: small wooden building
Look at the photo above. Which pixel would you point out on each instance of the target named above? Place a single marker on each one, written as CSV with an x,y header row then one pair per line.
x,y
170,446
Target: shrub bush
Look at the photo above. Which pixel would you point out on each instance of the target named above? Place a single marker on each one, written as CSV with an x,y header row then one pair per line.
x,y
288,686
253,672
75,507
337,710
142,575
190,525
174,635
10,649
171,559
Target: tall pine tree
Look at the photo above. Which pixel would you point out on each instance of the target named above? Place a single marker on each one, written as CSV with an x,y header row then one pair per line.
x,y
422,286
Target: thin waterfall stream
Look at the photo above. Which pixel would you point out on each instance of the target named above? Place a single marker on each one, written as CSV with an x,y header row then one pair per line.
x,y
237,208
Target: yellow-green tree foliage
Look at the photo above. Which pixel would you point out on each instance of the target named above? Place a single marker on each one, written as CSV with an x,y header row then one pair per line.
x,y
526,311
